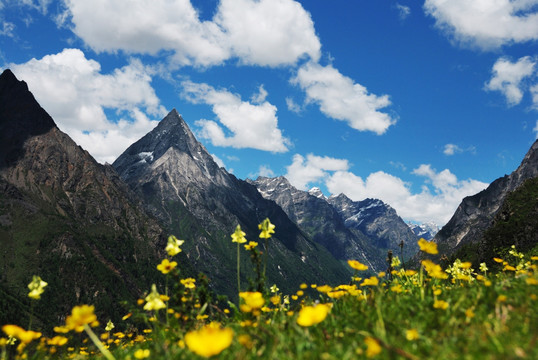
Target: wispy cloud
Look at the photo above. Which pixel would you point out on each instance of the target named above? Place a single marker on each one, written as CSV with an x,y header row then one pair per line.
x,y
403,11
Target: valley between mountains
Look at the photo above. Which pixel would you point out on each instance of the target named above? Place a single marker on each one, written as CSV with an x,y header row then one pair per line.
x,y
95,232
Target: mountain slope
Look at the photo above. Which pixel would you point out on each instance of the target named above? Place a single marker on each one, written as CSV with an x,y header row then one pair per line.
x,y
476,213
379,222
197,200
65,217
320,220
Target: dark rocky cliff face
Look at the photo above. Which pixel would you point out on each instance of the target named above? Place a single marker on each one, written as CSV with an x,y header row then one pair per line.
x,y
476,213
182,185
321,221
380,222
65,217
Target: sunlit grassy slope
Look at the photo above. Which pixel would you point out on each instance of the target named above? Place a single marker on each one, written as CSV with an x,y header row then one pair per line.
x,y
465,311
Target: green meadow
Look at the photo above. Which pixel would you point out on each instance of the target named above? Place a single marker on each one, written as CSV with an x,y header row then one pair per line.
x,y
460,311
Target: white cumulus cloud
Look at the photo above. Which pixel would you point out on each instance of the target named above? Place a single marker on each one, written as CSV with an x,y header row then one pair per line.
x,y
251,125
439,196
438,205
258,32
339,97
507,77
303,171
403,11
76,94
486,23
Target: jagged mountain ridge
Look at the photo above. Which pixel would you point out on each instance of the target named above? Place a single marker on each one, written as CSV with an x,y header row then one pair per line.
x,y
314,215
178,179
65,217
476,213
378,221
426,231
364,230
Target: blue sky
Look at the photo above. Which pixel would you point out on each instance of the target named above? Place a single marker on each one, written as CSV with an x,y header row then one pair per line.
x,y
418,103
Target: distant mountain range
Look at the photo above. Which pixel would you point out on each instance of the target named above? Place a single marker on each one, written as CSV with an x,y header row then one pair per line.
x,y
96,232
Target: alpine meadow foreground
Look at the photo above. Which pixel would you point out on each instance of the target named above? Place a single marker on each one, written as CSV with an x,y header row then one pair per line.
x,y
461,311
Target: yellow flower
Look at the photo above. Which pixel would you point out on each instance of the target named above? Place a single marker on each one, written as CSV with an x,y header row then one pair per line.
x,y
188,283
251,245
434,270
25,336
428,246
373,348
410,272
498,260
266,229
534,258
173,245
57,341
531,281
324,288
469,313
411,334
80,316
109,325
166,266
354,264
274,288
372,281
37,287
275,300
501,298
253,300
142,353
440,304
238,236
153,300
312,315
509,268
397,288
465,265
209,340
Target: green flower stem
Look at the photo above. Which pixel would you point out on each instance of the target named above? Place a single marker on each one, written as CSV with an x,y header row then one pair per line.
x,y
98,343
238,269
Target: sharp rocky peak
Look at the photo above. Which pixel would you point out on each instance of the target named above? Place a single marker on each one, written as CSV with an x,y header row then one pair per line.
x,y
21,117
172,133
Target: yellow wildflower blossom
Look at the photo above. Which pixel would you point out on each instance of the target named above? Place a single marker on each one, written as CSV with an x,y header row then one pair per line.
x,y
251,245
142,353
372,347
372,281
173,245
428,247
440,304
153,300
411,334
498,260
531,281
469,313
354,264
25,336
266,229
324,288
253,300
189,283
312,315
166,266
37,287
275,300
109,325
239,236
57,341
501,298
80,316
209,340
434,270
397,288
534,258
